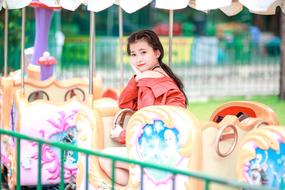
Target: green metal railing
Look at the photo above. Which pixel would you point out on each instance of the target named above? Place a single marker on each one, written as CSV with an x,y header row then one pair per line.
x,y
208,180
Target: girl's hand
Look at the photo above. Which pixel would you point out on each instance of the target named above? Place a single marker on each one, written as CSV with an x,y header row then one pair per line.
x,y
118,134
138,73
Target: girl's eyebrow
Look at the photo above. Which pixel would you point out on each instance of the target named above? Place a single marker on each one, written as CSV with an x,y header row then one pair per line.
x,y
142,49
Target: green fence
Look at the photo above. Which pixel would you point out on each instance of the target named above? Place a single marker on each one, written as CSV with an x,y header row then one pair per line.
x,y
207,179
208,66
186,51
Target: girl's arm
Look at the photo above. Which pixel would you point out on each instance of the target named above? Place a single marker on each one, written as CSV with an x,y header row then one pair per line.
x,y
147,97
161,93
175,98
129,96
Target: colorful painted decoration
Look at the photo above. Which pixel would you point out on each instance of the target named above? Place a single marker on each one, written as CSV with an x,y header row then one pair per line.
x,y
165,135
262,157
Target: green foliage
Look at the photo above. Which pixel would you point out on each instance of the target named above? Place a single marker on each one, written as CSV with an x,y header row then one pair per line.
x,y
14,36
13,25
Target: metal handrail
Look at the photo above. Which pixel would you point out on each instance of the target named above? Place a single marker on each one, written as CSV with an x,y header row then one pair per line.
x,y
208,179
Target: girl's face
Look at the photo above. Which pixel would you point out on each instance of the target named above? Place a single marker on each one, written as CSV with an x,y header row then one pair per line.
x,y
143,56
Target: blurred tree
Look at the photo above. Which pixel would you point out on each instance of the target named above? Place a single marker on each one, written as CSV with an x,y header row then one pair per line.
x,y
282,68
14,36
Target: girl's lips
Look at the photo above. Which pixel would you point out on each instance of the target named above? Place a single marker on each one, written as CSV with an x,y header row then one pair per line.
x,y
140,65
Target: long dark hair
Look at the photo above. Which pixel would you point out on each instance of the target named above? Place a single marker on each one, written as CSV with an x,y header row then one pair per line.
x,y
152,39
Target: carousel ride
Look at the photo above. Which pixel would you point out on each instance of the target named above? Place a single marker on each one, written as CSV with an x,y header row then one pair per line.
x,y
244,135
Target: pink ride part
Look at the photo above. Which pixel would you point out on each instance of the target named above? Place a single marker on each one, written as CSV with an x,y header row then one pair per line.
x,y
47,63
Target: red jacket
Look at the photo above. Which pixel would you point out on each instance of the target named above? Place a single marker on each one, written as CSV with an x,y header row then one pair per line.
x,y
151,91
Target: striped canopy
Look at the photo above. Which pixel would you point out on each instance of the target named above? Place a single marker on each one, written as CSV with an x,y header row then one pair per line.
x,y
14,4
66,4
229,7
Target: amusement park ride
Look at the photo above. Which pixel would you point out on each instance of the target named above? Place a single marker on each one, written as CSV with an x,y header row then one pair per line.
x,y
242,140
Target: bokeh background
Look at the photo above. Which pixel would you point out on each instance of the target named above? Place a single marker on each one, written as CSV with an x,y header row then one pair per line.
x,y
219,58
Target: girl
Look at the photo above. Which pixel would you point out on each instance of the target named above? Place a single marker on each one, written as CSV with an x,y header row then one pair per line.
x,y
153,84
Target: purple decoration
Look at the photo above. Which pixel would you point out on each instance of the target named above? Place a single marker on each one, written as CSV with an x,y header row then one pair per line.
x,y
43,19
46,71
47,63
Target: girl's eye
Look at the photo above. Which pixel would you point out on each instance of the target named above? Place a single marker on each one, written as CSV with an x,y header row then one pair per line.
x,y
143,52
133,55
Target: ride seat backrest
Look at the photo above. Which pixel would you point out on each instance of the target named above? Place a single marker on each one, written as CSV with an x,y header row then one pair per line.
x,y
220,148
59,92
107,109
111,93
250,109
48,121
56,92
8,91
260,160
164,135
229,121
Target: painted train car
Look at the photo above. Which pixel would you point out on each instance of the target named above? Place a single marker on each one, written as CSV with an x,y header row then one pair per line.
x,y
242,140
